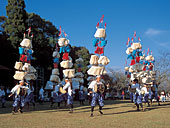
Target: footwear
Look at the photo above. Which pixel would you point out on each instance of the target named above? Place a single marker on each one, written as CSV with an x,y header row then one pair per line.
x,y
20,111
143,109
91,115
138,109
71,111
13,112
101,112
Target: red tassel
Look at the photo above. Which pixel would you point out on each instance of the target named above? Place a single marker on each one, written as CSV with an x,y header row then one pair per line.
x,y
97,25
135,34
137,59
133,62
65,56
55,65
99,50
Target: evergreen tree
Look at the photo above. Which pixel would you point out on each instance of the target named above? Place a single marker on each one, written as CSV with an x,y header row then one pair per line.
x,y
45,37
15,24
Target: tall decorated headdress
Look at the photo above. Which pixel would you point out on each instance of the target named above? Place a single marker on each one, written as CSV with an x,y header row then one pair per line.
x,y
141,66
98,60
24,70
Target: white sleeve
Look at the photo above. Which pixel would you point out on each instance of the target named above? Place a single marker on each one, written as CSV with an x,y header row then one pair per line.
x,y
14,89
92,84
24,87
66,86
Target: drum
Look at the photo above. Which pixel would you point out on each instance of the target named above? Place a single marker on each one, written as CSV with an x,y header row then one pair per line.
x,y
133,90
142,92
62,91
100,88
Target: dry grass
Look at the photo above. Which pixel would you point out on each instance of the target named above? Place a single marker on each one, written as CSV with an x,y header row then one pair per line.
x,y
117,114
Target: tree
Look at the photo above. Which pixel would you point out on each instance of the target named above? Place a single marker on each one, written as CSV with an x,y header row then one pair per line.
x,y
162,67
8,54
81,52
2,21
15,24
45,37
117,80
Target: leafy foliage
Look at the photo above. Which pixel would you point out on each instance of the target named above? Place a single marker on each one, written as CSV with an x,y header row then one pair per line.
x,y
81,52
116,80
45,37
15,24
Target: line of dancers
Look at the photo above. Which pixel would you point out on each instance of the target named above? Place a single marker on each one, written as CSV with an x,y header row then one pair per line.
x,y
23,94
145,94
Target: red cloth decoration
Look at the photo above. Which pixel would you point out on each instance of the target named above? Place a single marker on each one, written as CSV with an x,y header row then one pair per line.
x,y
144,69
128,76
29,61
150,67
23,58
55,65
133,62
99,50
79,69
137,59
65,56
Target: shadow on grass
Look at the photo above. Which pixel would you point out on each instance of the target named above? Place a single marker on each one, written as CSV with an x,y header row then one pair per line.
x,y
120,112
45,108
153,107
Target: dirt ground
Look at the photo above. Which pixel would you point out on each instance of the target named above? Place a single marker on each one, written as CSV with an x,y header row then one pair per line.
x,y
117,114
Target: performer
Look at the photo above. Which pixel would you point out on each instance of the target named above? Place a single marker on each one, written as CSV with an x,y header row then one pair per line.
x,y
145,95
81,94
97,90
55,96
89,94
2,97
30,95
41,95
137,98
68,88
153,93
19,91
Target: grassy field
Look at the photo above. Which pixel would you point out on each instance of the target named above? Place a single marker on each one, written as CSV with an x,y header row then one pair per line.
x,y
117,114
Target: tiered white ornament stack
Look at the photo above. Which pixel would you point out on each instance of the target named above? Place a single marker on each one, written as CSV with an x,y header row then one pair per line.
x,y
23,67
55,71
79,76
99,61
65,49
141,66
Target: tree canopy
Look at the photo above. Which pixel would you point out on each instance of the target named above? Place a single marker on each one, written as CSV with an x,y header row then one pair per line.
x,y
45,37
15,24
